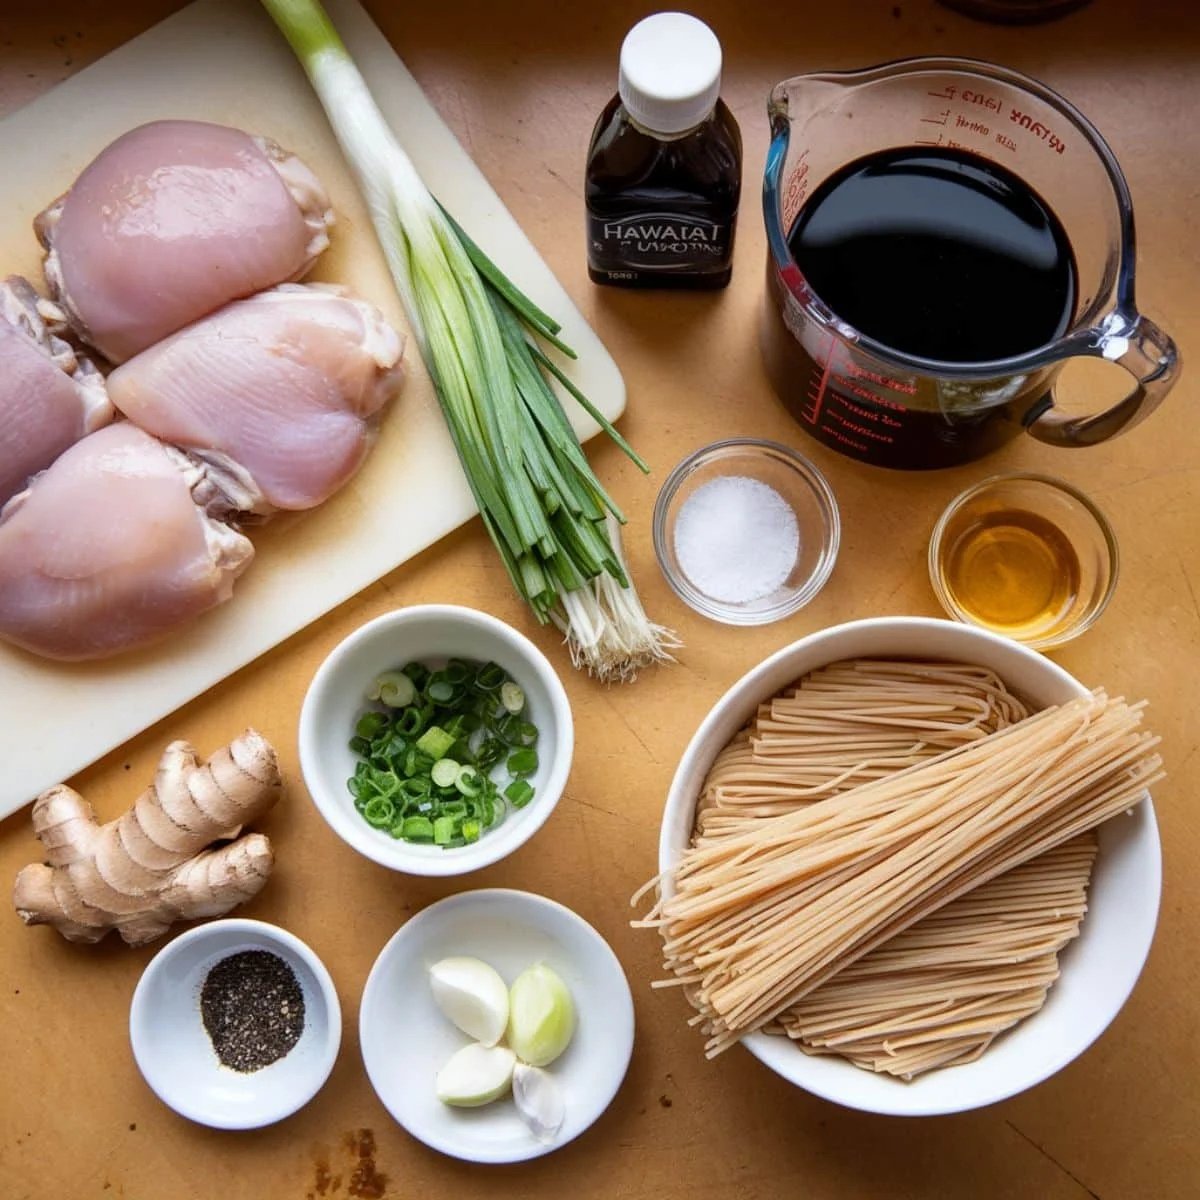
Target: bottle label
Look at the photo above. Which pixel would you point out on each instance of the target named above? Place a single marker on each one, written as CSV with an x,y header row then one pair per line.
x,y
658,241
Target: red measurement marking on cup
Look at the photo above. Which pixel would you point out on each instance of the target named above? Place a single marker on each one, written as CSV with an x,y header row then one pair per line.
x,y
1025,121
943,140
971,125
817,389
982,100
859,427
892,384
969,96
797,188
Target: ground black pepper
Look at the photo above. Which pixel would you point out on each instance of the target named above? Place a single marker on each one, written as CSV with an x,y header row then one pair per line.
x,y
252,1008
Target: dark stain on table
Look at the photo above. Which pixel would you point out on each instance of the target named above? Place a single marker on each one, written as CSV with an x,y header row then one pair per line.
x,y
367,1182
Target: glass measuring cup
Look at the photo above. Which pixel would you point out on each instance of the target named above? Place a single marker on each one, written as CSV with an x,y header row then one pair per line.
x,y
881,405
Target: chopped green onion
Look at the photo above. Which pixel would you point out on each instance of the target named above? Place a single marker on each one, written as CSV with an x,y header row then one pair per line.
x,y
468,781
508,728
417,829
417,672
490,752
445,772
369,724
416,761
519,793
409,722
393,747
458,672
427,789
379,812
489,677
415,788
394,689
435,741
469,722
453,726
522,762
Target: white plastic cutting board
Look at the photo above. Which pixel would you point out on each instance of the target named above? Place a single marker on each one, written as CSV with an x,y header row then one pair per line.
x,y
222,60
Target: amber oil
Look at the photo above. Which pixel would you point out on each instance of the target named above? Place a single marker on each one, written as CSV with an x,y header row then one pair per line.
x,y
1010,570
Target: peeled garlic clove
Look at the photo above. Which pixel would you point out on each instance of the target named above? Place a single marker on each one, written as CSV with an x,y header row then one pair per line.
x,y
476,1075
541,1019
472,995
539,1100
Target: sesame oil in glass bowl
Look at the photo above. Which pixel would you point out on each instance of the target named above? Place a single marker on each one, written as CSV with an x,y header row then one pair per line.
x,y
1026,556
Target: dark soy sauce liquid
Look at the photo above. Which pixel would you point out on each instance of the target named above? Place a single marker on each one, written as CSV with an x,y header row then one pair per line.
x,y
937,253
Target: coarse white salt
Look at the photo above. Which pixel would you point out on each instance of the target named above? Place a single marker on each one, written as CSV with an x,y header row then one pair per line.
x,y
736,539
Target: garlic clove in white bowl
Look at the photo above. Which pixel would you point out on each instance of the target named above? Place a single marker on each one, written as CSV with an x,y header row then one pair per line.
x,y
476,1075
541,1019
471,993
539,1100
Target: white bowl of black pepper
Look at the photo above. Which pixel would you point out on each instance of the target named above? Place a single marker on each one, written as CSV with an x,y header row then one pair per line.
x,y
235,1024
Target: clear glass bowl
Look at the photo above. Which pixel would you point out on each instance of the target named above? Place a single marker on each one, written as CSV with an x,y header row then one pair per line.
x,y
1036,557
797,482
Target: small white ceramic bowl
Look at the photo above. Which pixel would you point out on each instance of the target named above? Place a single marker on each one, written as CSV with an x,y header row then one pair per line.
x,y
406,1039
429,633
1099,968
176,1057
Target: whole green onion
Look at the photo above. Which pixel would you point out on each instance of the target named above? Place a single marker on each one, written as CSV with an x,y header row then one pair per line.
x,y
551,520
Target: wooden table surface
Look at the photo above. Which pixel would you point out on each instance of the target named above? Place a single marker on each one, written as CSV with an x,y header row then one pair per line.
x,y
521,84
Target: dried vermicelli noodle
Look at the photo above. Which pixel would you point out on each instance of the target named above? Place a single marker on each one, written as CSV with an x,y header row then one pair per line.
x,y
847,724
939,993
933,785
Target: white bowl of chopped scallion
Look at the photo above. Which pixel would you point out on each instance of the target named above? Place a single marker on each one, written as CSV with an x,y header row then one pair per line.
x,y
436,739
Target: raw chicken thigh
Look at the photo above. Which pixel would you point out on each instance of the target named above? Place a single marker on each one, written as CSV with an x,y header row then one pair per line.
x,y
108,549
278,395
48,398
173,220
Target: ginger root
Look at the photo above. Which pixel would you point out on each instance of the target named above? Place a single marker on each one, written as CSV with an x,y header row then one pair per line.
x,y
151,867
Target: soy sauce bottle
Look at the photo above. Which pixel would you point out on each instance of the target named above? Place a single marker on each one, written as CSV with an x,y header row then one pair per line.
x,y
664,168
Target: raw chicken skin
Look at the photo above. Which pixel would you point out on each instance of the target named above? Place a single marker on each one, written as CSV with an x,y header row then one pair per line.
x,y
279,394
173,220
108,550
48,398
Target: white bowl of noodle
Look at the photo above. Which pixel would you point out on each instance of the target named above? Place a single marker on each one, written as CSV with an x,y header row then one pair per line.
x,y
1098,969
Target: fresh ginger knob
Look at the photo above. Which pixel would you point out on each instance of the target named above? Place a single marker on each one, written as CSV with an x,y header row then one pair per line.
x,y
153,865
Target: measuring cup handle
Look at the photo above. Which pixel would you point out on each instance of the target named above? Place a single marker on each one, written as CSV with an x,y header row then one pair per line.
x,y
1148,354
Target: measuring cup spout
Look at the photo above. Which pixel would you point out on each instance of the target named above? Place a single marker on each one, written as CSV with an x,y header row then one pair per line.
x,y
799,97
793,106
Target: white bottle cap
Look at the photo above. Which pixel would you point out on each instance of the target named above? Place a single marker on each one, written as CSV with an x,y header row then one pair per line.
x,y
670,72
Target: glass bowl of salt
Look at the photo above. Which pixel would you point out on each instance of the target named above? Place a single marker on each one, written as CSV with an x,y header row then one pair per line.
x,y
746,531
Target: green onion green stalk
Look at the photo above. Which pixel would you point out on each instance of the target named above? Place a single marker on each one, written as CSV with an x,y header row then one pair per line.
x,y
483,342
